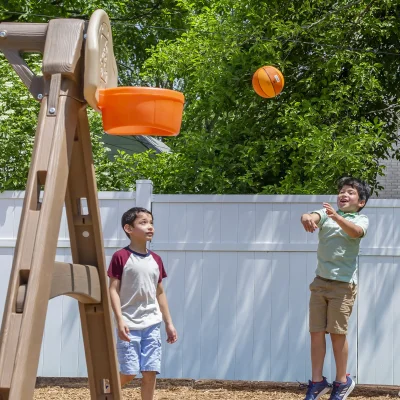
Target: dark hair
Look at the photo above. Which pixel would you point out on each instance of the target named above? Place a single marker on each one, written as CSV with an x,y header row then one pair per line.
x,y
128,217
362,187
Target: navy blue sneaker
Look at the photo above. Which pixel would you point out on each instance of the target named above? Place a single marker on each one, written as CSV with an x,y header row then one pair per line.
x,y
317,389
340,391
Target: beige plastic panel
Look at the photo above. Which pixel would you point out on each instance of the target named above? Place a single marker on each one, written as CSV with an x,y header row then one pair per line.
x,y
61,165
100,66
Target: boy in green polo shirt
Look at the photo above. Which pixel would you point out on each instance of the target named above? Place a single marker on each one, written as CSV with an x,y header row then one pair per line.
x,y
334,289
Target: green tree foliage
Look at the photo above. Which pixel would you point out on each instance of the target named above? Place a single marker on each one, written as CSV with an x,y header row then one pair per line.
x,y
17,113
336,116
135,30
18,121
136,25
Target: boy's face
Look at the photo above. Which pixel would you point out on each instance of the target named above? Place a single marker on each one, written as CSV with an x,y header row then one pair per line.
x,y
142,228
348,200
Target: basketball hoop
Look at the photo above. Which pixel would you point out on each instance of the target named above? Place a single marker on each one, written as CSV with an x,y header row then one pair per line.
x,y
125,110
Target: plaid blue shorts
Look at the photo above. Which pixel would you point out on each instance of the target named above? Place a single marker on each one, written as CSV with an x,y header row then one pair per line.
x,y
142,353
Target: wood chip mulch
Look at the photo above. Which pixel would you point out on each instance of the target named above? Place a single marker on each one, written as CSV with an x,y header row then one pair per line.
x,y
186,389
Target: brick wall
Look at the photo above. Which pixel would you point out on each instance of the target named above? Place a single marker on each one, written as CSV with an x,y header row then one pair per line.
x,y
391,180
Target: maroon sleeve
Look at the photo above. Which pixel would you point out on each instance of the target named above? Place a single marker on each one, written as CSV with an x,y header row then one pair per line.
x,y
117,263
160,264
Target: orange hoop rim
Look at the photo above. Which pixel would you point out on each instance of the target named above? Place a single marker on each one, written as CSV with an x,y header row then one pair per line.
x,y
141,110
143,91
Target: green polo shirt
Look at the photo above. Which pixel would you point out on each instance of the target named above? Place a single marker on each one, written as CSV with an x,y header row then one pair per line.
x,y
337,251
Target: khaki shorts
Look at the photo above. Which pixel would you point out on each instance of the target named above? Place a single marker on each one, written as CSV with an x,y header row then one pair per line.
x,y
331,303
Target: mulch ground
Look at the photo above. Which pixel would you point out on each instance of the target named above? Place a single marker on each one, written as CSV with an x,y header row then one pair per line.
x,y
76,389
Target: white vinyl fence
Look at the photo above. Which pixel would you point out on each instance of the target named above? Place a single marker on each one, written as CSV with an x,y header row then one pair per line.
x,y
238,270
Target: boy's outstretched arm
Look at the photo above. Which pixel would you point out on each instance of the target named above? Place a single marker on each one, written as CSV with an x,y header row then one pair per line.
x,y
123,329
172,336
310,221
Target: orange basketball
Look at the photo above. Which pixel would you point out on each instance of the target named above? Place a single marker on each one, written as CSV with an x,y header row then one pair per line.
x,y
268,81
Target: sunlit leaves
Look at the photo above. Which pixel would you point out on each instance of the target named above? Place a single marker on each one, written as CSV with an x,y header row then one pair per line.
x,y
336,116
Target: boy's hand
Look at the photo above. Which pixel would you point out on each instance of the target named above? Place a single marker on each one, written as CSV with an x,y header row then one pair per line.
x,y
123,331
172,336
330,211
308,223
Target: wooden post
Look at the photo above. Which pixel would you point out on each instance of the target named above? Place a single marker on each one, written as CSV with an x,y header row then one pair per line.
x,y
61,168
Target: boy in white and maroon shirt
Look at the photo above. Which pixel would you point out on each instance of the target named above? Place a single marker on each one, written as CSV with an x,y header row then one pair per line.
x,y
139,302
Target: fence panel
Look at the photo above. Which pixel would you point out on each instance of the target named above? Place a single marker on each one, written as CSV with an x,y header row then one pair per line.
x,y
251,259
62,351
238,274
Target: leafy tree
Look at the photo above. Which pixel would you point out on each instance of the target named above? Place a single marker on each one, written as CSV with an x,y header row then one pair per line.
x,y
135,29
136,25
337,114
18,120
17,111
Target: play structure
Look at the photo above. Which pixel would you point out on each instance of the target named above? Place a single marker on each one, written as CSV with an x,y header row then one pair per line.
x,y
78,68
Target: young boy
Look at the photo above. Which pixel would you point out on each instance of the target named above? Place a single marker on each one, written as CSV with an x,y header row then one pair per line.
x,y
139,303
334,289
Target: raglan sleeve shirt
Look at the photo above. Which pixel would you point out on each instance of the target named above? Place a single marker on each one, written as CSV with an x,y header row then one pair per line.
x,y
140,275
116,266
